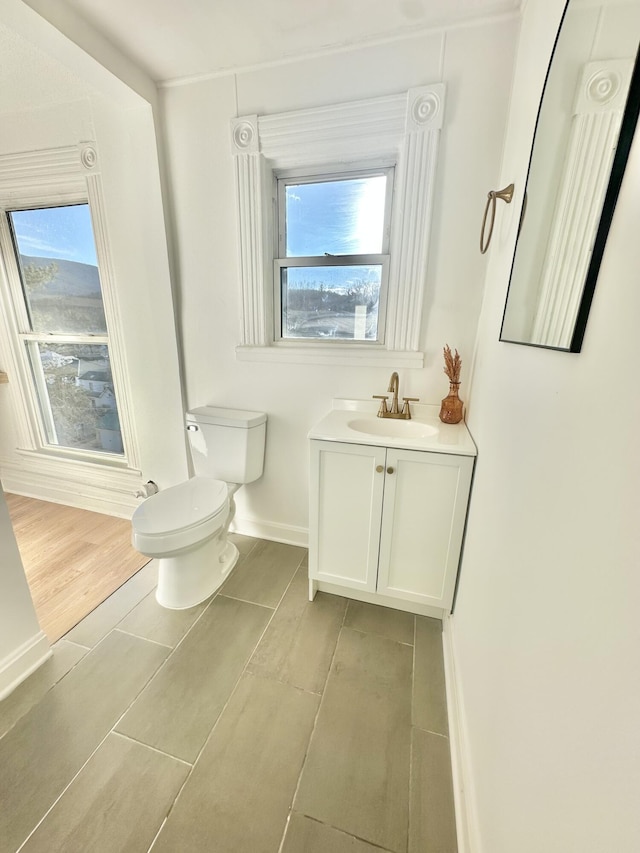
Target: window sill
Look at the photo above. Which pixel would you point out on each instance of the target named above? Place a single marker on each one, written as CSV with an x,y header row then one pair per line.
x,y
97,462
341,356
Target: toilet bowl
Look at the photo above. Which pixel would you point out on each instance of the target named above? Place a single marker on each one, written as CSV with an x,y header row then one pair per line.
x,y
185,526
182,527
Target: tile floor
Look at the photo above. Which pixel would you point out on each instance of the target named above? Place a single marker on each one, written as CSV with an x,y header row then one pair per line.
x,y
254,723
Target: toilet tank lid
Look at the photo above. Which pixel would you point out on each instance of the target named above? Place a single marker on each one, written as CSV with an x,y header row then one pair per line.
x,y
226,417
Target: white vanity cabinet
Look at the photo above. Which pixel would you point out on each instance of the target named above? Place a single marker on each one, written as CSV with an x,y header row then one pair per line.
x,y
386,524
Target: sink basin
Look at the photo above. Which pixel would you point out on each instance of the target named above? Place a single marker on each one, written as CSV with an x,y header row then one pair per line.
x,y
392,428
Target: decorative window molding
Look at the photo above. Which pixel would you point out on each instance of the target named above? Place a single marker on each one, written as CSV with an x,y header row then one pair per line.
x,y
68,175
597,116
403,129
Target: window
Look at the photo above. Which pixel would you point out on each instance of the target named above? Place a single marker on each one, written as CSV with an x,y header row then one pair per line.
x,y
330,278
62,326
61,336
309,292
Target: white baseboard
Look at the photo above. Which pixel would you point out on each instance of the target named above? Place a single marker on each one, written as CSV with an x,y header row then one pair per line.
x,y
22,662
463,788
286,533
92,487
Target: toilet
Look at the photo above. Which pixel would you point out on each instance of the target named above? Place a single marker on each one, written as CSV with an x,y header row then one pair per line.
x,y
185,526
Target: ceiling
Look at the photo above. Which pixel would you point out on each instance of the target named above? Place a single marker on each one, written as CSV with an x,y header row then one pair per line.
x,y
172,40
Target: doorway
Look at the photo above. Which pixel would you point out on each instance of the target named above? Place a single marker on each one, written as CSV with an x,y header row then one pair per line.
x,y
73,559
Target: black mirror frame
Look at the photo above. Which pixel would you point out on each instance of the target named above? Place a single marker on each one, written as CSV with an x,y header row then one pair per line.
x,y
627,131
625,139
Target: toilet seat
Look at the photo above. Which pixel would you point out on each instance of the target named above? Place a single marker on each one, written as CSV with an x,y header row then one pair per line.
x,y
180,516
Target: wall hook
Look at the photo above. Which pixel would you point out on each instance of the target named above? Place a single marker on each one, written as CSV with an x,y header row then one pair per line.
x,y
506,195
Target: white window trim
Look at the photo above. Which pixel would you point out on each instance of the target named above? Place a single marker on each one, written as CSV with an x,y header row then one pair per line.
x,y
405,128
63,176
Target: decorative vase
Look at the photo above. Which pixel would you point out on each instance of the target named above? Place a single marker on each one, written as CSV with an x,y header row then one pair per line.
x,y
451,408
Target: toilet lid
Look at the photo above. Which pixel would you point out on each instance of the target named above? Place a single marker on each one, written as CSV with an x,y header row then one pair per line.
x,y
182,506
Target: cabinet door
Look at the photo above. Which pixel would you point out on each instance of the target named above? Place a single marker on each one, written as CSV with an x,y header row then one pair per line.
x,y
345,511
425,505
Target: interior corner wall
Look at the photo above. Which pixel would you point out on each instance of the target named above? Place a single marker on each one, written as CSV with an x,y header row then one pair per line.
x,y
58,29
475,63
546,630
132,190
51,100
137,244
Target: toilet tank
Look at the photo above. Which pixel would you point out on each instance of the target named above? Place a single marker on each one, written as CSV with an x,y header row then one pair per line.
x,y
227,444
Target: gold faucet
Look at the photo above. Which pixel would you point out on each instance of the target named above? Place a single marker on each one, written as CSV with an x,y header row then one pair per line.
x,y
394,382
384,411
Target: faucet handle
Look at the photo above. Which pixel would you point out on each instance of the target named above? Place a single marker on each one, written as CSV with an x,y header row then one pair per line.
x,y
405,408
383,405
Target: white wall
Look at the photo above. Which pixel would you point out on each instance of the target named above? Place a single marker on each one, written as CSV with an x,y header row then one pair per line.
x,y
546,630
70,29
476,64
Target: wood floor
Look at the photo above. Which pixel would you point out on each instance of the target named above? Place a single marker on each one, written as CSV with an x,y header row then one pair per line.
x,y
74,559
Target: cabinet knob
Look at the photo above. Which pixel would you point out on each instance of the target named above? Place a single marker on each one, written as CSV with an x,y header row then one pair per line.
x,y
379,468
390,470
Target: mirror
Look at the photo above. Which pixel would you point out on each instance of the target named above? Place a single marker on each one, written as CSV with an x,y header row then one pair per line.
x,y
585,126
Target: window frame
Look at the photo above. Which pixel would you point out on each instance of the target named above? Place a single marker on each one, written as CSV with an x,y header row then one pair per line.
x,y
285,178
401,128
30,339
333,261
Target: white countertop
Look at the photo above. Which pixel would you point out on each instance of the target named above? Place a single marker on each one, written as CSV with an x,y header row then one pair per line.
x,y
447,438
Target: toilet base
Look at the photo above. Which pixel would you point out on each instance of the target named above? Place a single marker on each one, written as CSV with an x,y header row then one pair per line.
x,y
190,577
